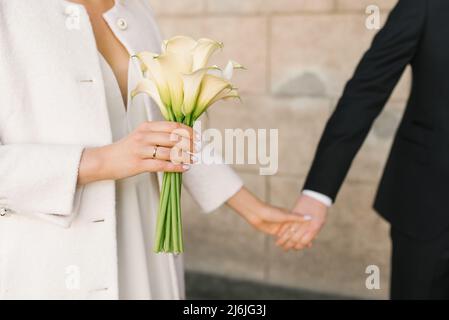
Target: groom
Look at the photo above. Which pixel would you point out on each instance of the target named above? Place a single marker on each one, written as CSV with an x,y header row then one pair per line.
x,y
414,191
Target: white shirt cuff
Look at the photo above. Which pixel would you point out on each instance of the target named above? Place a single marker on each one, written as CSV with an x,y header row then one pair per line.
x,y
318,196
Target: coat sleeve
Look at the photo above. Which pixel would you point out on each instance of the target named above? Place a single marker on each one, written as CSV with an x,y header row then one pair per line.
x,y
40,180
365,95
211,183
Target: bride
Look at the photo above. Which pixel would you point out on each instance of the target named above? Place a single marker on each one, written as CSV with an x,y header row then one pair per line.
x,y
78,164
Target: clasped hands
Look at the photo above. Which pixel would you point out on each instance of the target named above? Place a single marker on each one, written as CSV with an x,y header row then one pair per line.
x,y
299,235
293,230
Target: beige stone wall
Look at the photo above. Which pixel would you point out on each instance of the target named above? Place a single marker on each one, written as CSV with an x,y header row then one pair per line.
x,y
299,54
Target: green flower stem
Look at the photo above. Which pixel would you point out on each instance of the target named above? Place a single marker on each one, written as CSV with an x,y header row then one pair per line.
x,y
173,214
188,120
169,235
168,215
169,224
178,211
163,203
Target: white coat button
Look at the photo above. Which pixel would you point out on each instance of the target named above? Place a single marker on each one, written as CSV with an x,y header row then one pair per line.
x,y
3,212
122,24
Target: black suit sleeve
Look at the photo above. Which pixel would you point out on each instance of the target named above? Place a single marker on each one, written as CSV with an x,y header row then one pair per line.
x,y
365,95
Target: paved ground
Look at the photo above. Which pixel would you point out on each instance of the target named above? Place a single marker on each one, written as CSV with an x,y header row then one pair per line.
x,y
204,286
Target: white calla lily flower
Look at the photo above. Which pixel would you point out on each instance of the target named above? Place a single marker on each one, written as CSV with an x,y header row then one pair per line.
x,y
179,44
147,86
153,69
192,85
170,66
181,47
225,95
228,71
211,87
203,51
186,86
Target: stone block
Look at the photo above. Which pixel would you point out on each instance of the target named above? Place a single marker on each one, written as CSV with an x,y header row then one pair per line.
x,y
310,57
360,5
269,6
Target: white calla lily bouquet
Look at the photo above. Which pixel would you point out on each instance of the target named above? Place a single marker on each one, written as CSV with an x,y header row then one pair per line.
x,y
183,85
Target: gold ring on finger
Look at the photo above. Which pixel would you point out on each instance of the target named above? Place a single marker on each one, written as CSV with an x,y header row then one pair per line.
x,y
154,152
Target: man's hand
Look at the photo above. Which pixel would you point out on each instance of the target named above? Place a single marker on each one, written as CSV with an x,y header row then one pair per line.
x,y
270,219
260,215
300,235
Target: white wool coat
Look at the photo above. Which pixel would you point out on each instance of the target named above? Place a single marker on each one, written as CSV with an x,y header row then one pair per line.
x,y
58,240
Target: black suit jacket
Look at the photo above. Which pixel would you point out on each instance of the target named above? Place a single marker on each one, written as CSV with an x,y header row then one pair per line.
x,y
414,191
